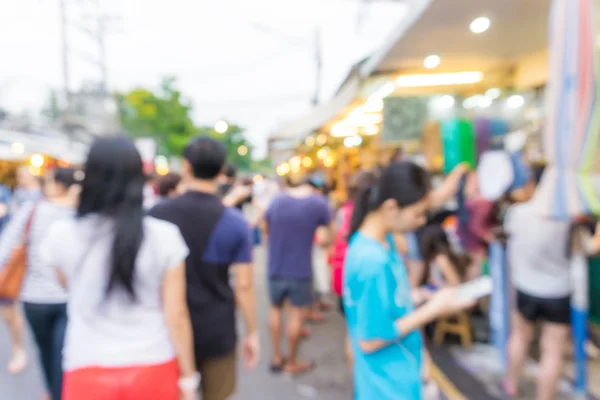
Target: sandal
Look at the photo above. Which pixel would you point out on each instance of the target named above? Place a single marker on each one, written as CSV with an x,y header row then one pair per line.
x,y
301,368
277,368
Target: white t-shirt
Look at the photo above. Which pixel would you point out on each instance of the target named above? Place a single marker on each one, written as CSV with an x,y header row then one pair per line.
x,y
537,252
112,330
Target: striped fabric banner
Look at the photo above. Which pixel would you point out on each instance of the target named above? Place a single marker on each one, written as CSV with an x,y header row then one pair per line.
x,y
571,137
571,184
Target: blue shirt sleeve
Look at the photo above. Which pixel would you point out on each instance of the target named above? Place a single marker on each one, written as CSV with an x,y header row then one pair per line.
x,y
243,251
373,307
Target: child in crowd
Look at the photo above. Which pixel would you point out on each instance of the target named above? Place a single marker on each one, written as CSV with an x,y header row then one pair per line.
x,y
444,267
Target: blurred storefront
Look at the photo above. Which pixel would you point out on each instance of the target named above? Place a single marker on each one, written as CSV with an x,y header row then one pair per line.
x,y
489,77
38,152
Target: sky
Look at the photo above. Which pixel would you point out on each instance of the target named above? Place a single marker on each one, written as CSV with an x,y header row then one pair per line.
x,y
250,62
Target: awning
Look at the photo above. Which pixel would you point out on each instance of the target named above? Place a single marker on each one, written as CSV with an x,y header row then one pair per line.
x,y
324,113
518,29
55,147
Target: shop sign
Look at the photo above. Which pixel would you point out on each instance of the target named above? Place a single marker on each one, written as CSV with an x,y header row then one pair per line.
x,y
403,118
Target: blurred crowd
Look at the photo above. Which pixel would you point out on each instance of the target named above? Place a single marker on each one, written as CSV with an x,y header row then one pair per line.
x,y
131,284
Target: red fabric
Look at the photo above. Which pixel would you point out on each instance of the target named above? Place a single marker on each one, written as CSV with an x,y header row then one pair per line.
x,y
340,246
153,382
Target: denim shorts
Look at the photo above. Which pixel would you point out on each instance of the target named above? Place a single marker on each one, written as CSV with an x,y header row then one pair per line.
x,y
298,291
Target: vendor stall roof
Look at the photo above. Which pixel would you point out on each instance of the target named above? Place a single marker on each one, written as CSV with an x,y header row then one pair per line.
x,y
319,116
517,28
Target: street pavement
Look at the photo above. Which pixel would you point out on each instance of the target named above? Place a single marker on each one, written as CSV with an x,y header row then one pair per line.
x,y
330,380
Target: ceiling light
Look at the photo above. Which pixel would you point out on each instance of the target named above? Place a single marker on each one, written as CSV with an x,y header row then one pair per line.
x,y
457,78
352,141
432,61
373,105
471,102
295,162
493,93
364,119
371,130
283,169
321,139
480,25
386,90
444,102
484,102
342,129
516,101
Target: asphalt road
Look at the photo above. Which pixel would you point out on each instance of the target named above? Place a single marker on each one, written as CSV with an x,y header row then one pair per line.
x,y
330,380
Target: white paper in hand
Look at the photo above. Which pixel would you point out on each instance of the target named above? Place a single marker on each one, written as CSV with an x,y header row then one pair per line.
x,y
495,173
476,289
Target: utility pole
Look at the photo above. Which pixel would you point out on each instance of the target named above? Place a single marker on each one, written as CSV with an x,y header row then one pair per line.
x,y
318,65
65,56
94,24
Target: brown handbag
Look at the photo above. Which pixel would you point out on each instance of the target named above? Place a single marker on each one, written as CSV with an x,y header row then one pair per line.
x,y
13,272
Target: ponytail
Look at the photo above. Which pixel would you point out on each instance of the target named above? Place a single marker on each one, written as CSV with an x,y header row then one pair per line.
x,y
126,245
361,209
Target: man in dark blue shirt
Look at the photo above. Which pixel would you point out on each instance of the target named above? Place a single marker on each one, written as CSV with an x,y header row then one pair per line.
x,y
219,241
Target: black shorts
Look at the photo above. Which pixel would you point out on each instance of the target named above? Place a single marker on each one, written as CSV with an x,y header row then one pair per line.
x,y
555,310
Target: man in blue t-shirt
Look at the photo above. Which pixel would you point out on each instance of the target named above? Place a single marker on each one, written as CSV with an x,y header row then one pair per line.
x,y
219,241
292,221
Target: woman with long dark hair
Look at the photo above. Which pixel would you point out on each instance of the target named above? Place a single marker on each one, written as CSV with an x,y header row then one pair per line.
x,y
382,321
129,329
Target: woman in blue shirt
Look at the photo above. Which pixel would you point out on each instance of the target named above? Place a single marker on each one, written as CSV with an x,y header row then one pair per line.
x,y
382,321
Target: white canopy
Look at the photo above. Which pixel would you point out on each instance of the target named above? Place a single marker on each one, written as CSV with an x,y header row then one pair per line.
x,y
56,147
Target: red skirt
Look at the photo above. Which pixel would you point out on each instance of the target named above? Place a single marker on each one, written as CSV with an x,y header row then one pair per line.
x,y
149,382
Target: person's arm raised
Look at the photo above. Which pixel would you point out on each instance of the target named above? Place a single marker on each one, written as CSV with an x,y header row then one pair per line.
x,y
449,188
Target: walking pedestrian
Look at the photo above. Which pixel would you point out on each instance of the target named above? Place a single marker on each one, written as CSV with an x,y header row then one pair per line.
x,y
382,321
539,261
340,241
44,299
220,244
28,189
292,220
129,332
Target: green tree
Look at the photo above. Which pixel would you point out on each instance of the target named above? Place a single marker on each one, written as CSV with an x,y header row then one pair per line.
x,y
239,150
163,116
166,117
